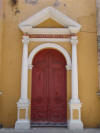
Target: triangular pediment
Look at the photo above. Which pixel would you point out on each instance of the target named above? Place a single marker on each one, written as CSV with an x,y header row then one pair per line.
x,y
49,13
49,23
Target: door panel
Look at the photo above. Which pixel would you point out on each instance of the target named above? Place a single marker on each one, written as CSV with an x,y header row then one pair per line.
x,y
49,99
57,88
39,89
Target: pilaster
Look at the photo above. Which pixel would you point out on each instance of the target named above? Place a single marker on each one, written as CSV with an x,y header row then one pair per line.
x,y
74,104
23,103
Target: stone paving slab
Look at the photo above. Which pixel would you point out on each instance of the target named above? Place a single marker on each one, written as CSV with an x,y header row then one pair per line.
x,y
49,130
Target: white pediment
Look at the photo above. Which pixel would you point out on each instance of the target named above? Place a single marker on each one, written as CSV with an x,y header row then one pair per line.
x,y
29,25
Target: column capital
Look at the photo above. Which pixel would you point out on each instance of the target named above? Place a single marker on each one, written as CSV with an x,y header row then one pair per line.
x,y
74,40
25,40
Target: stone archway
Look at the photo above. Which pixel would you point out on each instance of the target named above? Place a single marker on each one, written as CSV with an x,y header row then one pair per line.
x,y
53,46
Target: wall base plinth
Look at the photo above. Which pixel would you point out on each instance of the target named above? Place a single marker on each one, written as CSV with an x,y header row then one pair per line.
x,y
22,124
75,124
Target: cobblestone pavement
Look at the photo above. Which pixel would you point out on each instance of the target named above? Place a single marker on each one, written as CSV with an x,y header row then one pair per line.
x,y
49,130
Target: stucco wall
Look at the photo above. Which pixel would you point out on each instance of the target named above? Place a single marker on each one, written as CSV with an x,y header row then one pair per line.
x,y
84,12
1,33
1,42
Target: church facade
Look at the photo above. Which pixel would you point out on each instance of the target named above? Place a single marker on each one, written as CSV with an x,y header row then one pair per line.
x,y
49,74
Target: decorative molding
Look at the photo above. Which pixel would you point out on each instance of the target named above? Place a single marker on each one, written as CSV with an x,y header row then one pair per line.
x,y
30,67
23,103
49,39
50,36
68,67
47,30
75,123
75,105
25,40
49,12
74,101
74,40
49,45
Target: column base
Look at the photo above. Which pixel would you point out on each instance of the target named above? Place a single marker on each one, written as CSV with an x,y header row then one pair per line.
x,y
22,104
74,101
75,124
75,121
22,124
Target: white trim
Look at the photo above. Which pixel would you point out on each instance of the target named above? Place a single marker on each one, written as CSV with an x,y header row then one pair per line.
x,y
52,31
68,67
50,45
45,14
75,103
49,40
22,124
75,125
23,102
30,67
74,43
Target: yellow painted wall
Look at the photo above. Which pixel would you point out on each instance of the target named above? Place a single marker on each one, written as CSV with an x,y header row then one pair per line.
x,y
1,42
84,12
1,29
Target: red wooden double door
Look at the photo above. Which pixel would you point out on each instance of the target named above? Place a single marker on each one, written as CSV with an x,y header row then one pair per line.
x,y
49,100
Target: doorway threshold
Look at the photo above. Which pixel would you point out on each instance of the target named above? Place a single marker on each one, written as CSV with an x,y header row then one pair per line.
x,y
48,124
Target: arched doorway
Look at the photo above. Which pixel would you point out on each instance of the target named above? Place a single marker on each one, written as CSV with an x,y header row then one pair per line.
x,y
49,92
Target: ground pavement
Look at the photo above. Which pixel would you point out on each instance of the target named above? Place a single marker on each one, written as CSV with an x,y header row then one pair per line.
x,y
49,130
